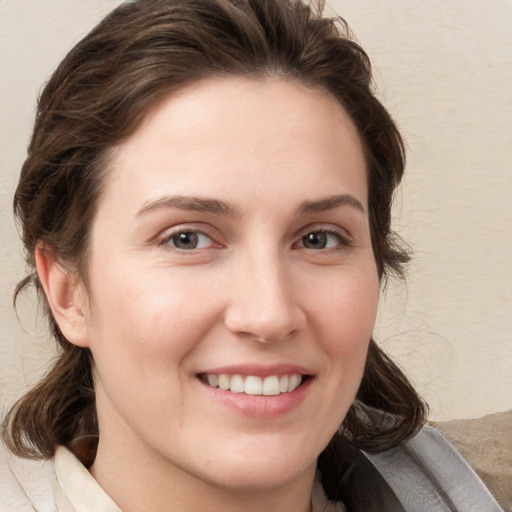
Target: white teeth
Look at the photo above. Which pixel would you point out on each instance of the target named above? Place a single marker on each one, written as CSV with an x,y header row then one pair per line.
x,y
294,382
224,382
213,380
271,386
237,384
254,385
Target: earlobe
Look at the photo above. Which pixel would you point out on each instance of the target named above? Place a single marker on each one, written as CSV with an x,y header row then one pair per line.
x,y
65,295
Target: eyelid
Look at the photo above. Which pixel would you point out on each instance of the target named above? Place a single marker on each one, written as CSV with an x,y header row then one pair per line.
x,y
325,228
163,238
346,239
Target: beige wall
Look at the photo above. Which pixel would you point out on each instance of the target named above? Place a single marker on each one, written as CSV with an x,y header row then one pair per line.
x,y
444,69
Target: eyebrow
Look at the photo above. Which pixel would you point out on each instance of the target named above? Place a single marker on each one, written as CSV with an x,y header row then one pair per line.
x,y
218,207
330,202
197,204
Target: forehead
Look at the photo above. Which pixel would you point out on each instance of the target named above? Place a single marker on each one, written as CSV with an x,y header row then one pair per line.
x,y
226,129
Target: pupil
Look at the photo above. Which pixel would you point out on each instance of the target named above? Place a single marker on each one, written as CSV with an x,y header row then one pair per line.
x,y
315,240
186,240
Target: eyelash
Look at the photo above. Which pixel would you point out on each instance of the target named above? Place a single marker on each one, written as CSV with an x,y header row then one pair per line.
x,y
166,239
343,241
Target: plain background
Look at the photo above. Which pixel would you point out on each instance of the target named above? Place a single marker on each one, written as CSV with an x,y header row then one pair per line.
x,y
444,70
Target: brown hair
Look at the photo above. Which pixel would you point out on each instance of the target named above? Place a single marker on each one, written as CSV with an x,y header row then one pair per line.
x,y
97,96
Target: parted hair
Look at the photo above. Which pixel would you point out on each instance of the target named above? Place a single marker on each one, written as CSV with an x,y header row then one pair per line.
x,y
97,96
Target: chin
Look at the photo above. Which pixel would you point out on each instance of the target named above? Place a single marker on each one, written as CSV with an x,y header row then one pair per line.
x,y
256,479
249,470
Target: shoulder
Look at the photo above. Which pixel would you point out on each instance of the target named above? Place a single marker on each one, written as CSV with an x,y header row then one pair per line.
x,y
427,473
25,485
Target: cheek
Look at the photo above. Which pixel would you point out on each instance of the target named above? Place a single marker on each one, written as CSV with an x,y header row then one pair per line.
x,y
345,315
346,318
142,322
142,331
145,300
348,304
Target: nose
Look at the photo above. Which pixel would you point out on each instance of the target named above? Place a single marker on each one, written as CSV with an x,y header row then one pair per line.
x,y
265,302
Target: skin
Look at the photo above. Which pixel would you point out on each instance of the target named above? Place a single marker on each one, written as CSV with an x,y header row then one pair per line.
x,y
253,292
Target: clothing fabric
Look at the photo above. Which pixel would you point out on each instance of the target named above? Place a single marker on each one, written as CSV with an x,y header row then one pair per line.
x,y
425,473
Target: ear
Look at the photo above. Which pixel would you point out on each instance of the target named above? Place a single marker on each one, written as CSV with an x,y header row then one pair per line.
x,y
65,294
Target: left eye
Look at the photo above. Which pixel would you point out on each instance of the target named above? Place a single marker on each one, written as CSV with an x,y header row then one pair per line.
x,y
320,240
189,240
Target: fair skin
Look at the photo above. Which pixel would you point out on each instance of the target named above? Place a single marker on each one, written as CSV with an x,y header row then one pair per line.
x,y
231,238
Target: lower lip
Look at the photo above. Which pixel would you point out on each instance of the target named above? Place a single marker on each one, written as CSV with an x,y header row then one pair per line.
x,y
261,406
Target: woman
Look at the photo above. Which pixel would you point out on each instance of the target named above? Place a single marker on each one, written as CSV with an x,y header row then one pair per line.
x,y
206,211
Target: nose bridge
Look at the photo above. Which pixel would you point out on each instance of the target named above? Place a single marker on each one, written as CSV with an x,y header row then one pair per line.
x,y
264,303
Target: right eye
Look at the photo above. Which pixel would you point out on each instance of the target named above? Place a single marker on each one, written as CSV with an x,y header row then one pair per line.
x,y
188,240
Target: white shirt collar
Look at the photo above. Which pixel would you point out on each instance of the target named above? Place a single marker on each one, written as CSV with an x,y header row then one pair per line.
x,y
74,488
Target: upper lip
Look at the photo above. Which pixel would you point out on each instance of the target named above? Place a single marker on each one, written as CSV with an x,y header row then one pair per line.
x,y
258,370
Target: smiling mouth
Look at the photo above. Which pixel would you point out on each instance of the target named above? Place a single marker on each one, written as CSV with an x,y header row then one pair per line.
x,y
272,385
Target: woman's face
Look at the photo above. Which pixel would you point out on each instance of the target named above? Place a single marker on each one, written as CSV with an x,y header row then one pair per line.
x,y
231,245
